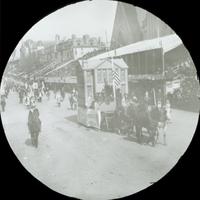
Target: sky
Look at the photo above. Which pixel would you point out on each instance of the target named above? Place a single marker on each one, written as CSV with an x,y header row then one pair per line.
x,y
88,17
95,18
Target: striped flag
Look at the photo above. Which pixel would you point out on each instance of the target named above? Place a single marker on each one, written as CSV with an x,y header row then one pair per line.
x,y
116,78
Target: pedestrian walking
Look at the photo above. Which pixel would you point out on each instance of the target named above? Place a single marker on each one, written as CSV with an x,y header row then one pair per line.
x,y
48,93
34,125
58,99
40,97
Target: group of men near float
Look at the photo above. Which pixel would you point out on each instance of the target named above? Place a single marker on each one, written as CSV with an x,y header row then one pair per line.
x,y
135,115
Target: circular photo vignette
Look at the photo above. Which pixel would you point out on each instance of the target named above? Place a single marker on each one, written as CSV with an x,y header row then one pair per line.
x,y
101,102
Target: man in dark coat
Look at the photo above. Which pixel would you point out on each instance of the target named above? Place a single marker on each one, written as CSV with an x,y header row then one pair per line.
x,y
34,125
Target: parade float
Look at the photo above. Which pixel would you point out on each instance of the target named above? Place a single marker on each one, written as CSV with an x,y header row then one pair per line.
x,y
93,77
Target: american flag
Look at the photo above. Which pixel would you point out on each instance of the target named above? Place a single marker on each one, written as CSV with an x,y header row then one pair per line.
x,y
116,78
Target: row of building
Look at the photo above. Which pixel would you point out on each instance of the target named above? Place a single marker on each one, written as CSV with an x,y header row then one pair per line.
x,y
59,50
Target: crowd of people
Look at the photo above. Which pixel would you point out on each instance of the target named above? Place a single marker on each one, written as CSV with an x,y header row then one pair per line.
x,y
132,114
30,94
187,96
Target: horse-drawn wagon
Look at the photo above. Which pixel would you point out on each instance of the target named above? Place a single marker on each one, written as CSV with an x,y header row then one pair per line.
x,y
101,105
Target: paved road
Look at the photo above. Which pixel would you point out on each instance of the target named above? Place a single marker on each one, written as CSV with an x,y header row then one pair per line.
x,y
90,164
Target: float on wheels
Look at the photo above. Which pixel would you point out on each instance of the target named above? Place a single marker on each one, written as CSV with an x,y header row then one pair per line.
x,y
93,77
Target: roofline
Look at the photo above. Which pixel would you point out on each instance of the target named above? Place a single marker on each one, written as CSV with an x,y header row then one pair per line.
x,y
104,60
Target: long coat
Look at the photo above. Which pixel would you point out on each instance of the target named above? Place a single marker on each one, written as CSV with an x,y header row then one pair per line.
x,y
34,122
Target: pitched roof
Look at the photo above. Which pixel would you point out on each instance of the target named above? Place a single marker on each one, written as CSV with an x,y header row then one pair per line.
x,y
102,63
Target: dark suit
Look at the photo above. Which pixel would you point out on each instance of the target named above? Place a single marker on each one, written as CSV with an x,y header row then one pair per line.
x,y
34,125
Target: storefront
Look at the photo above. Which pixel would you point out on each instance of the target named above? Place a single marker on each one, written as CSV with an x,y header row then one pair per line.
x,y
153,85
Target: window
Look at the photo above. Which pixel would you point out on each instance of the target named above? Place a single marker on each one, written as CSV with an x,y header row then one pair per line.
x,y
89,91
99,76
104,75
89,77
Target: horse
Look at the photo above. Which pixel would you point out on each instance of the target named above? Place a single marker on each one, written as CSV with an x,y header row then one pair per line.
x,y
141,117
131,114
120,121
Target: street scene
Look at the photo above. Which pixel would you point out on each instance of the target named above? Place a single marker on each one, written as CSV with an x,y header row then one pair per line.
x,y
100,116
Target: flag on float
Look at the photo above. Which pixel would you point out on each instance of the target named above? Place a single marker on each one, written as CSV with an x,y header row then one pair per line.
x,y
116,78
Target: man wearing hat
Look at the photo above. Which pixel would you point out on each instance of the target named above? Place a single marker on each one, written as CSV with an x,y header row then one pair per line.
x,y
34,125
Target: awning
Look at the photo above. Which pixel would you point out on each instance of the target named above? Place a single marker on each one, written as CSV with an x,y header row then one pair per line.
x,y
168,43
60,67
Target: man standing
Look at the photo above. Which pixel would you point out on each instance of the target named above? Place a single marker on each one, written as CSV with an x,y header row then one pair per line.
x,y
34,125
3,102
